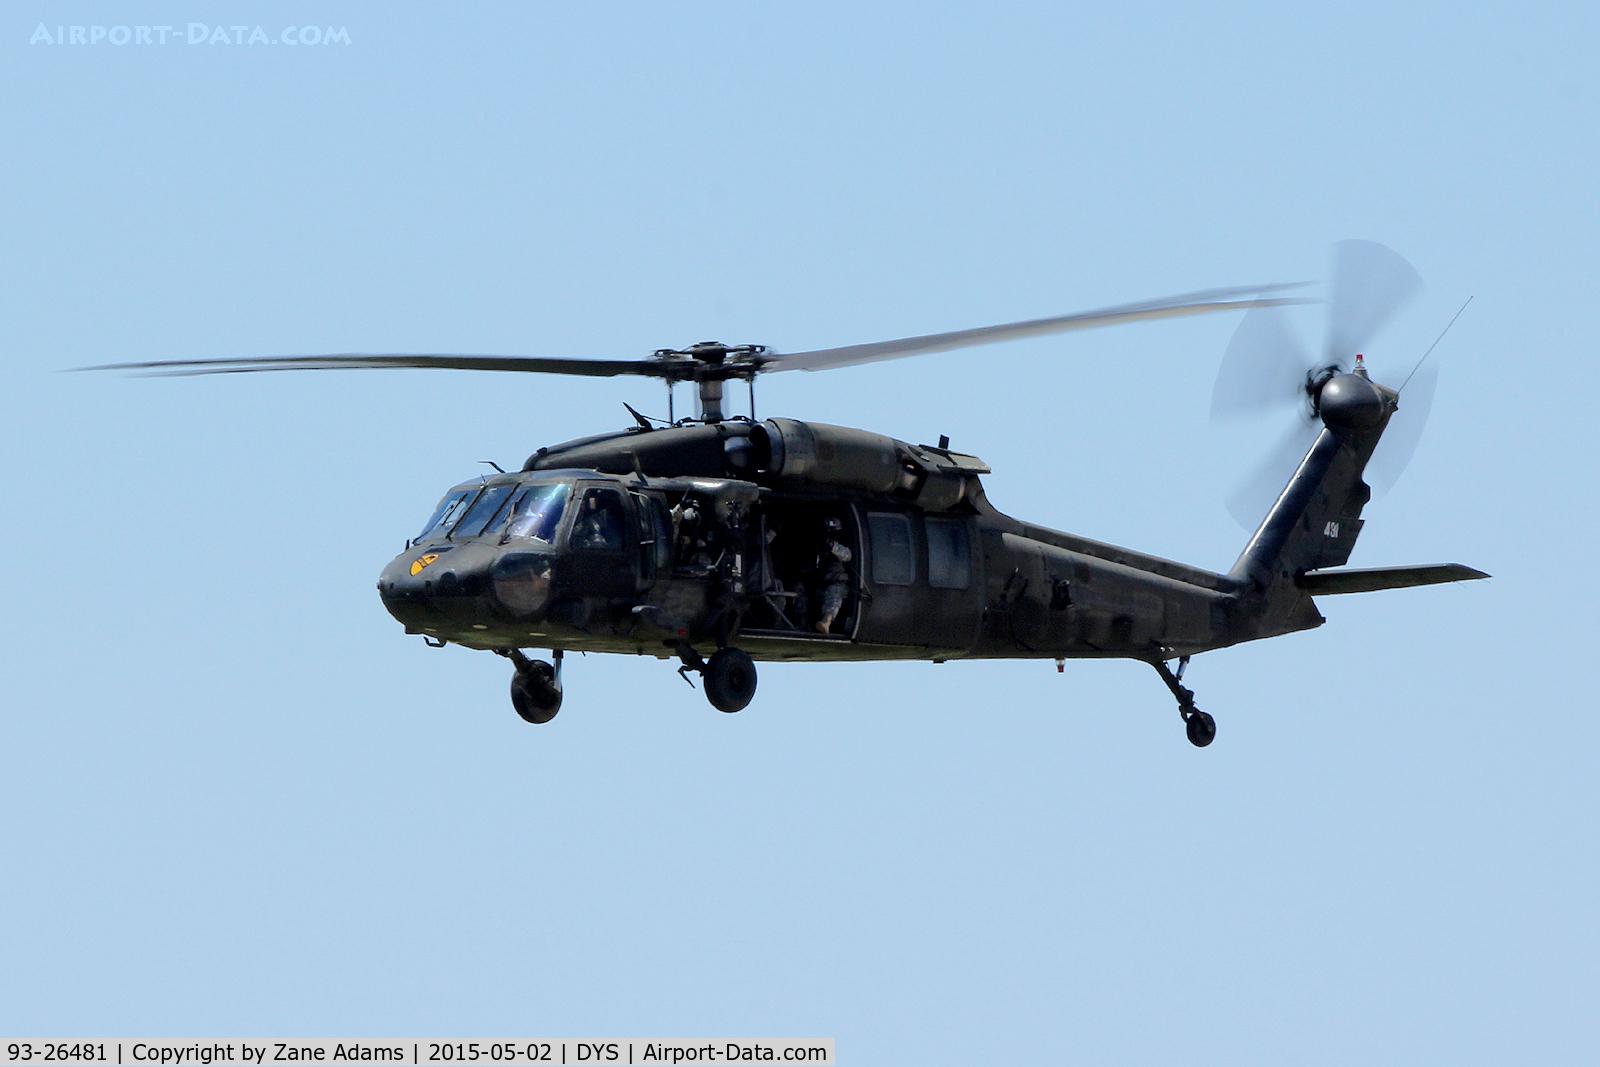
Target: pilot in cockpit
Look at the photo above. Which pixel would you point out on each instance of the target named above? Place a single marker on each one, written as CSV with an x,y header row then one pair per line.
x,y
599,522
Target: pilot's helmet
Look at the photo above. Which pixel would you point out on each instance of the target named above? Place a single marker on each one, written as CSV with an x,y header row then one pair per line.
x,y
832,525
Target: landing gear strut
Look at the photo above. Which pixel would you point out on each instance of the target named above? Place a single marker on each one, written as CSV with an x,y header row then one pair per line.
x,y
535,687
1201,728
729,676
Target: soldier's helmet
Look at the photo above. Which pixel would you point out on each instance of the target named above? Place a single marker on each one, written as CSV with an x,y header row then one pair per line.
x,y
832,525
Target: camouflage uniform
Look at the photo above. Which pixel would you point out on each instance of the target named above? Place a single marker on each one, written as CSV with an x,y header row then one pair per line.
x,y
836,581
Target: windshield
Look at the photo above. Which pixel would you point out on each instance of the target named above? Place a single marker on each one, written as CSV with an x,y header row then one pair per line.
x,y
483,511
450,510
537,510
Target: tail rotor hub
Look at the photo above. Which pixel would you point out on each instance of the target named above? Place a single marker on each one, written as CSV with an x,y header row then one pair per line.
x,y
1350,402
1316,378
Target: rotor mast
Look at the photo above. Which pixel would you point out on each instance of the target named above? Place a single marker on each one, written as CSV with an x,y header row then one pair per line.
x,y
708,365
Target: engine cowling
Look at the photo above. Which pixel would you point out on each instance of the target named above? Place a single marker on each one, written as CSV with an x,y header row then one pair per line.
x,y
774,452
848,458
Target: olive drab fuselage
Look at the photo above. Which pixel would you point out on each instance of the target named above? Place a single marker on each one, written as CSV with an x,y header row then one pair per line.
x,y
789,540
649,540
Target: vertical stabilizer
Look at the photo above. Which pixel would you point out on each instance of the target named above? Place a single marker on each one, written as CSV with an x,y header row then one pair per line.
x,y
1317,517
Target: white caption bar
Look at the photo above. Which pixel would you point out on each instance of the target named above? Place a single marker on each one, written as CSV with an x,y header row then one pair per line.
x,y
413,1053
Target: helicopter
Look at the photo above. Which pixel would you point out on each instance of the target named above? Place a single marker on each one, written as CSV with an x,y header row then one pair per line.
x,y
720,540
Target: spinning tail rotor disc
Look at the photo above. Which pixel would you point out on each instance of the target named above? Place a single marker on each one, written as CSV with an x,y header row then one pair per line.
x,y
1267,371
1371,283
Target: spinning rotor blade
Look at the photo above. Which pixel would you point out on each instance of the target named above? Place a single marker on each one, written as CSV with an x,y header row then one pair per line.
x,y
1264,367
686,366
1404,433
1370,283
595,368
1171,307
1255,494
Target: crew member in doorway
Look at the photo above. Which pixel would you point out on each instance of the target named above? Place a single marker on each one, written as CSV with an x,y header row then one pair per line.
x,y
693,547
835,575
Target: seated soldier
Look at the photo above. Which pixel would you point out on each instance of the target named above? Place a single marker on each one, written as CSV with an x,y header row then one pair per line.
x,y
599,521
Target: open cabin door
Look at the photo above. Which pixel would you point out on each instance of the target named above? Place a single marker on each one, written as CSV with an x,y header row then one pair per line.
x,y
803,570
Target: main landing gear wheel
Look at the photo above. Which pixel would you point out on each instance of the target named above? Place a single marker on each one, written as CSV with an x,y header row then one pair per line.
x,y
730,679
1201,728
535,689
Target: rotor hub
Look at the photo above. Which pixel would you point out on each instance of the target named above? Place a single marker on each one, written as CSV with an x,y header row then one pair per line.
x,y
711,361
709,364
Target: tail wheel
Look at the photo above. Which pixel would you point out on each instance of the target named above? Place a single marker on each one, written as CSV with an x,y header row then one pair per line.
x,y
730,680
534,693
1201,728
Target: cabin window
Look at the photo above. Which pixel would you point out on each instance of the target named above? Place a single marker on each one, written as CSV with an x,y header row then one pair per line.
x,y
483,511
892,563
600,521
655,534
949,556
450,509
661,529
537,510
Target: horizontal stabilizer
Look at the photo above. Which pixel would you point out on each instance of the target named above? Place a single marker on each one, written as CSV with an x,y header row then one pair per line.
x,y
1318,583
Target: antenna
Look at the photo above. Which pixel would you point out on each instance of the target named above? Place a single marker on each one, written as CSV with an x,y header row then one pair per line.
x,y
493,464
1431,347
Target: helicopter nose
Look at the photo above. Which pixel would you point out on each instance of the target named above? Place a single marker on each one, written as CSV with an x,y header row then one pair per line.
x,y
443,580
405,596
433,584
459,582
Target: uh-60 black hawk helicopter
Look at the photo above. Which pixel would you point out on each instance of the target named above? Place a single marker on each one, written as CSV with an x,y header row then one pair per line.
x,y
720,540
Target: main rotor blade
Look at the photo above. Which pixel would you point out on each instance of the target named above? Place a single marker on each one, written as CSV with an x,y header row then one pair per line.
x,y
1404,432
594,368
1171,307
1264,367
1370,283
678,370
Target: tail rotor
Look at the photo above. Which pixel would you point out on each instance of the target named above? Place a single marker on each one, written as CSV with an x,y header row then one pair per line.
x,y
1268,371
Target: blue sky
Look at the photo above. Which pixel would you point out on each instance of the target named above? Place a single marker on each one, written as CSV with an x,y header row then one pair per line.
x,y
238,801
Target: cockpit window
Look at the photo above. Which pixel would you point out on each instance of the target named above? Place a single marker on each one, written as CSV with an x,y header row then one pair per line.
x,y
600,521
537,511
450,510
483,511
